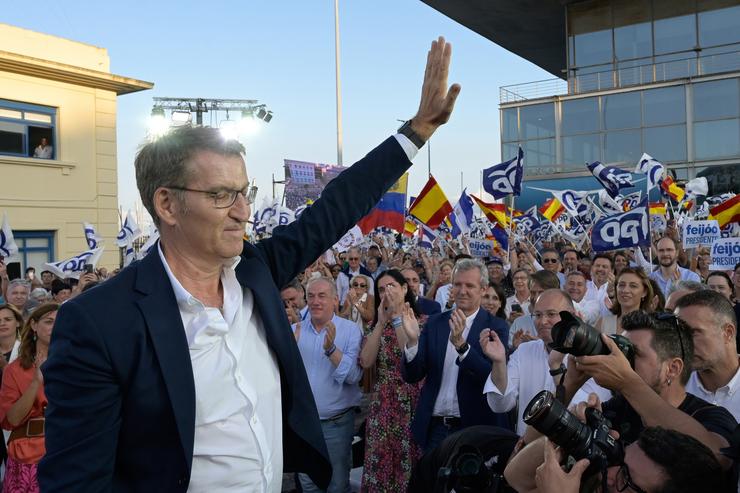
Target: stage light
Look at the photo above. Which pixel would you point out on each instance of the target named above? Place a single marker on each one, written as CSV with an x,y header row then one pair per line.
x,y
158,125
268,117
229,129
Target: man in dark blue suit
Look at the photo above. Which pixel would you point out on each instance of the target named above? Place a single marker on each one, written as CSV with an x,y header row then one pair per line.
x,y
449,355
181,373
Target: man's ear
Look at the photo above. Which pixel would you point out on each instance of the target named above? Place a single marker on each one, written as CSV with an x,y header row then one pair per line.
x,y
166,206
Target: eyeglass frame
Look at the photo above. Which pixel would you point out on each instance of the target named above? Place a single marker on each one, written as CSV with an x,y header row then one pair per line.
x,y
354,285
249,194
675,321
624,470
550,260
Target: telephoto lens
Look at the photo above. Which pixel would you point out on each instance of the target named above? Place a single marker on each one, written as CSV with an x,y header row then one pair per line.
x,y
574,336
550,417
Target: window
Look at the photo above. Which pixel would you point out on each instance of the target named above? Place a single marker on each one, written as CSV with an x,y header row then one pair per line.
x,y
633,30
666,144
716,99
581,149
664,106
537,121
27,130
719,27
510,125
621,110
675,34
35,248
580,116
717,139
622,147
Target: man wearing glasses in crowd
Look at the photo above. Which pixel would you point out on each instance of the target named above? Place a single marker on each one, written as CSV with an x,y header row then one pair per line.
x,y
354,267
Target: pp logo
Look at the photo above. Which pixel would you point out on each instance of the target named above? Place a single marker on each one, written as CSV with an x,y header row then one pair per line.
x,y
526,224
633,230
502,180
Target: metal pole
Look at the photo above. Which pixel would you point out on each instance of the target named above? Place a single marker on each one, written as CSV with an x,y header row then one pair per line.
x,y
338,84
273,185
429,157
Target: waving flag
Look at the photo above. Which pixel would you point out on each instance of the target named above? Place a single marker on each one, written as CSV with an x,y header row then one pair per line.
x,y
727,212
697,187
626,230
431,207
652,168
500,235
8,247
390,211
409,227
426,236
552,209
611,178
608,204
505,179
528,221
351,238
657,208
75,266
129,231
630,201
91,236
462,215
301,208
495,213
670,189
153,237
572,201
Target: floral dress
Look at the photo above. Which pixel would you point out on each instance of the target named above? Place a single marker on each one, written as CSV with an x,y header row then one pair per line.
x,y
390,451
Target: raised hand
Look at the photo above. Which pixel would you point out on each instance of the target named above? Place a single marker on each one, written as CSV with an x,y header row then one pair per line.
x,y
331,332
457,326
297,332
492,346
550,476
410,325
437,102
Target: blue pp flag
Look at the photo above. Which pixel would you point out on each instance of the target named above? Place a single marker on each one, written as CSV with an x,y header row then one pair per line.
x,y
505,179
528,221
626,230
462,215
501,236
611,178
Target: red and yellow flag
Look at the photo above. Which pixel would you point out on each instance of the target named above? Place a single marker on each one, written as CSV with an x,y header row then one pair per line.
x,y
727,212
657,208
671,189
552,209
431,206
409,228
496,213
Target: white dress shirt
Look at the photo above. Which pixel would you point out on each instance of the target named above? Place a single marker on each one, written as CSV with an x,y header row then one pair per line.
x,y
238,413
512,300
727,396
442,295
446,403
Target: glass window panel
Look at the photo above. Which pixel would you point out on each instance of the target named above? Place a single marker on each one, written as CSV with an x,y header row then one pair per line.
x,y
635,41
675,34
634,72
666,144
716,99
595,78
593,48
717,139
676,66
719,27
580,116
720,59
37,260
622,147
37,242
510,117
621,110
37,117
664,106
537,121
538,153
6,113
581,149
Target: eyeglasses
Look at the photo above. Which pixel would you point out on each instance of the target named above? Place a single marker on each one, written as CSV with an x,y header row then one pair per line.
x,y
624,480
224,198
358,285
353,258
678,324
550,261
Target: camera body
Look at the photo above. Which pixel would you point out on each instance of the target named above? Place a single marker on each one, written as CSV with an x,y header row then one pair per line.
x,y
574,336
590,440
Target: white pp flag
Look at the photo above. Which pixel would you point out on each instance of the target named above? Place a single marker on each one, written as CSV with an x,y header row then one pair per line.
x,y
153,237
8,248
91,237
352,238
75,266
696,187
129,231
652,168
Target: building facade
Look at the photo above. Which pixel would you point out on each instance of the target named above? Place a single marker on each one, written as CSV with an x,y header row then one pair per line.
x,y
58,164
654,76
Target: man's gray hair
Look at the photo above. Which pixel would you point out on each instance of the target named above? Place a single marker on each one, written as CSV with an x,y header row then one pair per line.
x,y
467,264
164,162
19,282
330,282
692,286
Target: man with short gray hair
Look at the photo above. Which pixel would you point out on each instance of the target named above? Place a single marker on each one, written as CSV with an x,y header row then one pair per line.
x,y
681,289
17,294
449,356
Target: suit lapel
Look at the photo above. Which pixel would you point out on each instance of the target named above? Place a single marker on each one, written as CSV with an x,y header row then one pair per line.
x,y
163,321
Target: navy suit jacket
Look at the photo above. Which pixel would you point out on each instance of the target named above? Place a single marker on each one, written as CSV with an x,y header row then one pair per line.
x,y
474,369
425,306
119,379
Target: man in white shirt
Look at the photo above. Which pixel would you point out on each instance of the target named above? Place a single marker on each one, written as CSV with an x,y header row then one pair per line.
x,y
43,150
669,272
602,272
716,375
522,328
181,373
575,285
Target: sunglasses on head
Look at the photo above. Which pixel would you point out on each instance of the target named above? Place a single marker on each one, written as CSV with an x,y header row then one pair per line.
x,y
677,324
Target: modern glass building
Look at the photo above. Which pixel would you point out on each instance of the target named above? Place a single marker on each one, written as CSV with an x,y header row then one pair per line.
x,y
634,76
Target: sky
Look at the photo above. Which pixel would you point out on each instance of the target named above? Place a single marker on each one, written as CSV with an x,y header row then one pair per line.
x,y
281,53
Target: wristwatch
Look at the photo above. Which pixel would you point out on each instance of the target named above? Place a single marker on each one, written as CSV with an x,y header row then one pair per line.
x,y
462,349
406,130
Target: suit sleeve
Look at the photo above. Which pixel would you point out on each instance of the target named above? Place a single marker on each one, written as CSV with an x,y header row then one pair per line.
x,y
476,364
344,201
415,370
83,414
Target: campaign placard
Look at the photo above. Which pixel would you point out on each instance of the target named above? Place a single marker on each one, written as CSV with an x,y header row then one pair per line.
x,y
480,248
725,254
699,233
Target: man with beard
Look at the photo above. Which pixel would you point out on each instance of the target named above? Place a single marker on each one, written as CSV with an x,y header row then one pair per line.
x,y
669,271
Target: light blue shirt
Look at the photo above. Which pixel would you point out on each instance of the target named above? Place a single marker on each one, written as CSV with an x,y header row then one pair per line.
x,y
667,284
335,389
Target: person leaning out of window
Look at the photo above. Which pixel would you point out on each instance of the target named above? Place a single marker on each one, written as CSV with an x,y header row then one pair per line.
x,y
22,402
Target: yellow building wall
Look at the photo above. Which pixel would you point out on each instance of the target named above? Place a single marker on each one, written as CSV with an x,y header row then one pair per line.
x,y
80,184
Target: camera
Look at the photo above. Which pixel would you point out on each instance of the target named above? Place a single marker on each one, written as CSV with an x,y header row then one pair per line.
x,y
590,440
574,336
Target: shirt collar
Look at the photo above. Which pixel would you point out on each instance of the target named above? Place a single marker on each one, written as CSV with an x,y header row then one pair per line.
x,y
311,325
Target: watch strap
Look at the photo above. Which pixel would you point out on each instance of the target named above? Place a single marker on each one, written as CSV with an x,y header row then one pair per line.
x,y
463,349
406,130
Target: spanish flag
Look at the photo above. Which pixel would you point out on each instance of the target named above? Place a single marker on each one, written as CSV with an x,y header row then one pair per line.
x,y
431,206
552,209
727,212
671,189
409,228
657,208
496,213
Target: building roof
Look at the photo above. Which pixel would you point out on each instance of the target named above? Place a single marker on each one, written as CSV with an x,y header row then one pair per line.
x,y
532,29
